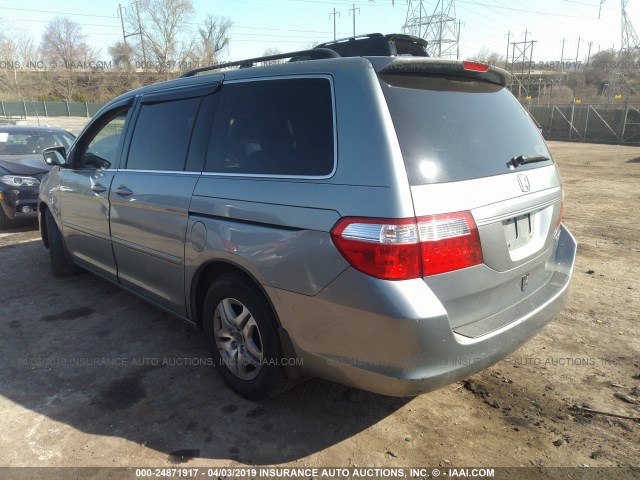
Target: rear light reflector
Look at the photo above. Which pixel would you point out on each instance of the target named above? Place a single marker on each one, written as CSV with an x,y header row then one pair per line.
x,y
402,249
475,66
561,214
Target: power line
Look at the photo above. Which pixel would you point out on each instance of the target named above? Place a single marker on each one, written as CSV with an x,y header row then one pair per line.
x,y
526,11
58,13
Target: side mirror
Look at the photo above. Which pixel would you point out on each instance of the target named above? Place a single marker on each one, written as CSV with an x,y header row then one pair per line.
x,y
55,156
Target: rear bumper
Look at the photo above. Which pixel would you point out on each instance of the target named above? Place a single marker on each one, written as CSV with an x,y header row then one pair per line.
x,y
395,338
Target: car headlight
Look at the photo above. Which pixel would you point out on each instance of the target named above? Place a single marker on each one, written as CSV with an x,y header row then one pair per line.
x,y
19,181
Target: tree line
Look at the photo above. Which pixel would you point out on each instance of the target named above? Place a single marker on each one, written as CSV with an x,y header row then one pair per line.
x,y
159,42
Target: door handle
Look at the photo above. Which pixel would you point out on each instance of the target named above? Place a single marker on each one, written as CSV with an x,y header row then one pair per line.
x,y
124,191
98,188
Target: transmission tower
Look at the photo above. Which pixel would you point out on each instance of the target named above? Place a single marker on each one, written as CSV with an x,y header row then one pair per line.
x,y
629,39
629,44
441,29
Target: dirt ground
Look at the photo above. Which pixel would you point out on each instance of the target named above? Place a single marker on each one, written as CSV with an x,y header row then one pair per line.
x,y
123,407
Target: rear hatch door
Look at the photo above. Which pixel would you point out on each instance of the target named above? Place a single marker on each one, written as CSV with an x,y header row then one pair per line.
x,y
469,146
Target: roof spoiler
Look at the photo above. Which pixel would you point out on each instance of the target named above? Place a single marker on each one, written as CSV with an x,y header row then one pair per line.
x,y
439,66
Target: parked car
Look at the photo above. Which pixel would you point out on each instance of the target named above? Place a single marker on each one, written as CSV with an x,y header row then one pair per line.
x,y
389,223
22,168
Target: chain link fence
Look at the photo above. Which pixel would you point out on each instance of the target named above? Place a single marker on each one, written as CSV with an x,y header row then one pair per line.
x,y
600,123
18,109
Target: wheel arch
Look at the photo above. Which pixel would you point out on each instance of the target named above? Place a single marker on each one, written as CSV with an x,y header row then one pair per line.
x,y
208,273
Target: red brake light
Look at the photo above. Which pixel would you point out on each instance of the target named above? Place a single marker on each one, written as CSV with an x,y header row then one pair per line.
x,y
402,249
382,248
475,66
449,242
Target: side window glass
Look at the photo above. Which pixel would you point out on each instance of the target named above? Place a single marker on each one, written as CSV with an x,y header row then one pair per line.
x,y
102,151
273,127
161,136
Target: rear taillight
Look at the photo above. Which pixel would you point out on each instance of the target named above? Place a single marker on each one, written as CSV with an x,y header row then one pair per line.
x,y
402,249
382,248
449,242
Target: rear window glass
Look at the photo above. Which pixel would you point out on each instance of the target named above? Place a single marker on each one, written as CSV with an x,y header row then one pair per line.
x,y
273,127
453,129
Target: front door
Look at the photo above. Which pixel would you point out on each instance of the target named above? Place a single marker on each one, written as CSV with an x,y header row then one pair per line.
x,y
84,194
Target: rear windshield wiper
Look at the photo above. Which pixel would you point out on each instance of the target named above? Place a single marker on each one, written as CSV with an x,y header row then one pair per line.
x,y
524,159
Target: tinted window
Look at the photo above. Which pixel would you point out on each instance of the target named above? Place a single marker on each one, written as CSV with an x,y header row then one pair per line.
x,y
102,151
161,137
455,129
274,127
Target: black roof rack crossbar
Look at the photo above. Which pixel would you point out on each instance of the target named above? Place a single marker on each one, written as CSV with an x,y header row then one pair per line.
x,y
313,54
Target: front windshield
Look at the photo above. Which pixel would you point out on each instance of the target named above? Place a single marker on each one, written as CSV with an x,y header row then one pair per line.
x,y
32,142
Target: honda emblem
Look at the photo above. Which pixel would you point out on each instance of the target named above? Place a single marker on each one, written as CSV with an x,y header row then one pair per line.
x,y
523,180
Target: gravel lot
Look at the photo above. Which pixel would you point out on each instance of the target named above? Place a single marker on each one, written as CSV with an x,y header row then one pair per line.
x,y
93,376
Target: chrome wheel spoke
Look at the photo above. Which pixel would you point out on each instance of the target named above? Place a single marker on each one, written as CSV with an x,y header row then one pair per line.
x,y
249,334
241,319
238,339
227,314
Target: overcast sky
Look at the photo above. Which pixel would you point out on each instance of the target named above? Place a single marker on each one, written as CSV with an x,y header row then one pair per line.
x,y
291,24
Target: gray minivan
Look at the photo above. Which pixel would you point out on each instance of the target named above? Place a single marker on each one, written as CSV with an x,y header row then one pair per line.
x,y
390,223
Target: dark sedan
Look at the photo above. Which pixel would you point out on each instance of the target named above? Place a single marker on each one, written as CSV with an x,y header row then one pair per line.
x,y
22,167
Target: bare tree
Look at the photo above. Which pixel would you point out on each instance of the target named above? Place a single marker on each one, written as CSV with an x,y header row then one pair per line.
x,y
17,53
272,51
486,56
164,34
64,45
213,39
121,54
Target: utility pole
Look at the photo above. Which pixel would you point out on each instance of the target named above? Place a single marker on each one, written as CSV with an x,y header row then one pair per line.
x,y
589,53
140,31
458,41
334,22
575,65
124,35
506,59
562,52
354,9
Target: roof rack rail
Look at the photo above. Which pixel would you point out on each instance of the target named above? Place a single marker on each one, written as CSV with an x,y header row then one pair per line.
x,y
313,54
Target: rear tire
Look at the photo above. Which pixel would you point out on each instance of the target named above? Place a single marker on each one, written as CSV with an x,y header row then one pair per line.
x,y
242,334
61,263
